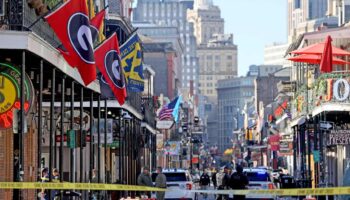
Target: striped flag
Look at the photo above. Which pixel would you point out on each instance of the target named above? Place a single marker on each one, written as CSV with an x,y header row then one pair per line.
x,y
167,111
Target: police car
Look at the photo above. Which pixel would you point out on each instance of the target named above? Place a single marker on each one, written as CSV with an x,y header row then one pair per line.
x,y
179,183
259,179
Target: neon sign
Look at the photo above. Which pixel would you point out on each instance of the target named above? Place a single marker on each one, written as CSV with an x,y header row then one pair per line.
x,y
10,79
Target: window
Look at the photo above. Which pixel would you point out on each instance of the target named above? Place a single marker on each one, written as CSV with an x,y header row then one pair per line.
x,y
229,57
210,57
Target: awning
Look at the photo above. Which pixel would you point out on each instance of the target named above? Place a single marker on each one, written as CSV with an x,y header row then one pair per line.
x,y
149,128
318,49
315,59
299,121
285,116
331,107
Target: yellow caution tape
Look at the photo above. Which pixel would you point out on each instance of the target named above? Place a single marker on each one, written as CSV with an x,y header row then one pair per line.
x,y
75,186
118,187
283,192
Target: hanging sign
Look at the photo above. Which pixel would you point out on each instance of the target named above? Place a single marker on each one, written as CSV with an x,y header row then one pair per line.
x,y
274,142
338,137
10,79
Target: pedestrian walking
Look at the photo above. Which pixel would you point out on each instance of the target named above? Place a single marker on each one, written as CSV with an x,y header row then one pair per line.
x,y
225,183
94,179
55,179
160,183
239,181
44,194
144,179
213,179
204,183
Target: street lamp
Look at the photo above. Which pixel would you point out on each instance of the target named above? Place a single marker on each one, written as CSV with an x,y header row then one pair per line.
x,y
167,148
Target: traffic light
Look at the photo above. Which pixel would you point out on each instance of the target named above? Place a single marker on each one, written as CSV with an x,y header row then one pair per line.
x,y
196,121
39,6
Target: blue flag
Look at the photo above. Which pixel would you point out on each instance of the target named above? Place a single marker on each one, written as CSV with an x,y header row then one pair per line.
x,y
131,56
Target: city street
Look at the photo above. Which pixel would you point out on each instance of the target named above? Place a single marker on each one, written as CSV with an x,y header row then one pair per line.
x,y
123,98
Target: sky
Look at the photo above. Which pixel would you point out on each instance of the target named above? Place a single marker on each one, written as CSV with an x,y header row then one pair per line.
x,y
254,24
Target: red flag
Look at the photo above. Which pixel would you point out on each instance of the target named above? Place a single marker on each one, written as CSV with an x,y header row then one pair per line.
x,y
96,24
327,57
109,63
71,25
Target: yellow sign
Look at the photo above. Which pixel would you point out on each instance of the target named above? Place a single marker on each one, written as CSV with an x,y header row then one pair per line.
x,y
8,94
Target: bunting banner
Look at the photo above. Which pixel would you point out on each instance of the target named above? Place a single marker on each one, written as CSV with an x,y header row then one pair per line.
x,y
71,24
131,55
108,62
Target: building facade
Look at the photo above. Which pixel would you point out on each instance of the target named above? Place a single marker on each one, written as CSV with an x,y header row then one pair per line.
x,y
207,21
232,95
310,15
274,54
174,13
161,33
161,56
217,60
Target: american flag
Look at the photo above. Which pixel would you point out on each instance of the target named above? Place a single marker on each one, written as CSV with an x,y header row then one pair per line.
x,y
167,111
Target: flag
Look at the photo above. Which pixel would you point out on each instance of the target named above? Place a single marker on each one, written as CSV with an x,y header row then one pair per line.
x,y
97,25
327,57
108,62
71,24
167,112
132,63
176,109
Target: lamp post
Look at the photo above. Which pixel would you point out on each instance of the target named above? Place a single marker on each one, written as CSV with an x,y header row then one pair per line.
x,y
167,148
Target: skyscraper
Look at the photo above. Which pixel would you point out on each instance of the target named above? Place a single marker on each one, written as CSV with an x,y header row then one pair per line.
x,y
312,15
216,51
206,19
174,13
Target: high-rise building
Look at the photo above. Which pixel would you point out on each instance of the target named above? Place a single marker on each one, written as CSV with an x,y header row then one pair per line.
x,y
206,19
217,60
274,54
161,33
174,13
311,15
232,95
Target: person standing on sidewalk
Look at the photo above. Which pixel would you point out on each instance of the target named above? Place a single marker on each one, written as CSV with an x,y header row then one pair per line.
x,y
144,179
160,183
225,183
213,179
239,181
204,182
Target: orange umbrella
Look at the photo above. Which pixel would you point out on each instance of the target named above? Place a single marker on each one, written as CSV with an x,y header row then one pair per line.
x,y
315,59
318,49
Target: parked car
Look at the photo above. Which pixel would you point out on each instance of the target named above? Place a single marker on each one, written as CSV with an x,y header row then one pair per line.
x,y
179,184
259,179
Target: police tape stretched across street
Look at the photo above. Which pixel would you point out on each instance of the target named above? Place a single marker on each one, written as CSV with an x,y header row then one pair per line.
x,y
119,187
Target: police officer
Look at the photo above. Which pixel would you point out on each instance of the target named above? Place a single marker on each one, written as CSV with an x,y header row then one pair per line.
x,y
239,181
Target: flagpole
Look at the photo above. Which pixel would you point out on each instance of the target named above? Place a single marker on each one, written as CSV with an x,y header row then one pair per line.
x,y
42,16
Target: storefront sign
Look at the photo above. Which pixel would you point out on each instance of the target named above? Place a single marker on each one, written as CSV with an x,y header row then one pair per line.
x,y
338,137
10,79
164,124
174,148
160,142
338,89
286,148
274,142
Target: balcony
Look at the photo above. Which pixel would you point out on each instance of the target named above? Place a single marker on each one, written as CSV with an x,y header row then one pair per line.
x,y
19,17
